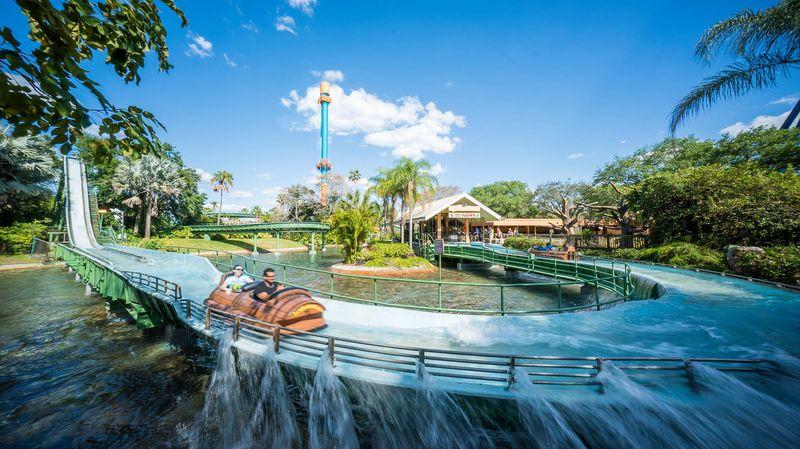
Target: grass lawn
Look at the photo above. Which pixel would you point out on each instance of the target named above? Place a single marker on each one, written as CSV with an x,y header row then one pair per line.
x,y
18,258
264,244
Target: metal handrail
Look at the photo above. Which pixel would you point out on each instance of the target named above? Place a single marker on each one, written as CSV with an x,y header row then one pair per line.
x,y
610,279
154,284
475,367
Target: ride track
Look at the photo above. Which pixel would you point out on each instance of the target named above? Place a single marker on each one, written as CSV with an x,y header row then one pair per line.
x,y
155,301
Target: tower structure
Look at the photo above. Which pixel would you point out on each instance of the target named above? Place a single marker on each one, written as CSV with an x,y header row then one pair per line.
x,y
324,165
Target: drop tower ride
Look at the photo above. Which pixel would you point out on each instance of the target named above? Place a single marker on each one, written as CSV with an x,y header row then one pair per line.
x,y
324,165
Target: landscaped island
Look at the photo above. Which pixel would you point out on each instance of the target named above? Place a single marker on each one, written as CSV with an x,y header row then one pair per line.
x,y
386,259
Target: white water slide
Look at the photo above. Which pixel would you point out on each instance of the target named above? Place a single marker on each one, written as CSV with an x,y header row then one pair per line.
x,y
79,219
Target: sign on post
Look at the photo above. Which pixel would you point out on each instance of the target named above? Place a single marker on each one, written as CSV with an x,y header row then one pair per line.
x,y
438,247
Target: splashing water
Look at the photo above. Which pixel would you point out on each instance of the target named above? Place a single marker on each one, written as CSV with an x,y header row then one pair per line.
x,y
541,423
273,424
441,421
330,421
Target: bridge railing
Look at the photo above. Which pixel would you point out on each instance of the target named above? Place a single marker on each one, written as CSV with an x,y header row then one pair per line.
x,y
489,369
154,284
560,295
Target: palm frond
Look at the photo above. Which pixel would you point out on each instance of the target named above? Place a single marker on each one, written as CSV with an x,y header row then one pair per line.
x,y
736,79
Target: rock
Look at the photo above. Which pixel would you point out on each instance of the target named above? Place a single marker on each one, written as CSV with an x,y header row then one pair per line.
x,y
734,252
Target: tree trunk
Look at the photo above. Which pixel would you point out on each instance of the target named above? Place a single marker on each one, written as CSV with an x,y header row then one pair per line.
x,y
148,216
219,213
137,222
410,214
402,221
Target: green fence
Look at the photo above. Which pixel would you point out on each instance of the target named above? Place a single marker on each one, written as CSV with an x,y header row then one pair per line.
x,y
450,296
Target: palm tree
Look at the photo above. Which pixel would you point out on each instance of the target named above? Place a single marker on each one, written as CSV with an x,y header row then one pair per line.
x,y
27,170
767,44
354,218
222,180
386,187
354,176
145,182
416,179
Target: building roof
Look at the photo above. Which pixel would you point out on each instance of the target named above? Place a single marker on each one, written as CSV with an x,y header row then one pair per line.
x,y
542,222
430,210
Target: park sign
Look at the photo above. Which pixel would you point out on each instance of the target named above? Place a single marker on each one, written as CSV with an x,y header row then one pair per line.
x,y
463,215
438,247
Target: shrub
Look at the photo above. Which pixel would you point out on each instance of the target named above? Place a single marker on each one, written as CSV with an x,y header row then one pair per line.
x,y
778,263
522,242
181,233
388,250
16,239
151,243
686,255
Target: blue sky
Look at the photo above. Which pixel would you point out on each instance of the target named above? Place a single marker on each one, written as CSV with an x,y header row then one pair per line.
x,y
486,91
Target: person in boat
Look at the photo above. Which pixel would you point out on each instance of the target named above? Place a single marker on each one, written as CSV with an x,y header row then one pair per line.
x,y
234,280
264,289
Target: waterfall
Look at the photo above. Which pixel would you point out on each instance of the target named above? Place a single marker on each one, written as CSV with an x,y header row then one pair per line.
x,y
645,287
273,423
88,290
219,423
330,420
541,423
441,421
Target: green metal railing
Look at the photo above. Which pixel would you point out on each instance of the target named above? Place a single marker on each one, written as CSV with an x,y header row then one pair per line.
x,y
340,286
289,226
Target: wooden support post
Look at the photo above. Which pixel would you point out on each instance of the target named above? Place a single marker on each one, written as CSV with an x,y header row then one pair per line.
x,y
237,323
439,226
208,318
276,339
188,310
466,230
331,349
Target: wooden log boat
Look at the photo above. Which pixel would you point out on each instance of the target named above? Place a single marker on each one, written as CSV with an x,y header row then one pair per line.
x,y
290,307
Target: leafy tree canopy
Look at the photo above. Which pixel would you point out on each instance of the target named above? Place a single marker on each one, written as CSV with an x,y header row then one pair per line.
x,y
28,169
767,147
41,81
718,205
510,199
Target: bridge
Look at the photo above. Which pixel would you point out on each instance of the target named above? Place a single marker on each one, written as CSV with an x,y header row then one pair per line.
x,y
274,228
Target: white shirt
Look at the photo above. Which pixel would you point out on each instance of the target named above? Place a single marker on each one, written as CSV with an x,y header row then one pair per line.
x,y
236,283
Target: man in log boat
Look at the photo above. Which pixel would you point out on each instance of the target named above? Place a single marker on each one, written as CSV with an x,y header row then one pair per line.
x,y
269,286
234,280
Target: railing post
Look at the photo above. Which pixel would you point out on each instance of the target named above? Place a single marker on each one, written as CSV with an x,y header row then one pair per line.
x,y
276,339
559,296
284,274
512,365
237,322
502,301
439,288
208,317
331,350
374,291
188,310
331,293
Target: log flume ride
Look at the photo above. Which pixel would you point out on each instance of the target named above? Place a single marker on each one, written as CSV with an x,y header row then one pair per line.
x,y
291,307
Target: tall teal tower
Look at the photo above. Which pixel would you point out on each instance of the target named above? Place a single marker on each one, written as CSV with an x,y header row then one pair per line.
x,y
324,165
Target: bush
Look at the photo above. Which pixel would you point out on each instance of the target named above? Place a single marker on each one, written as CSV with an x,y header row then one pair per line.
x,y
388,250
181,233
778,263
17,238
522,242
686,255
151,243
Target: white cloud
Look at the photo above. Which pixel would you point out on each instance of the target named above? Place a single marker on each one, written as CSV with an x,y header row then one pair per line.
x,y
773,121
250,26
229,61
92,130
204,175
334,76
437,169
200,46
449,84
623,142
307,6
406,126
285,23
787,99
266,176
575,156
226,207
241,194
